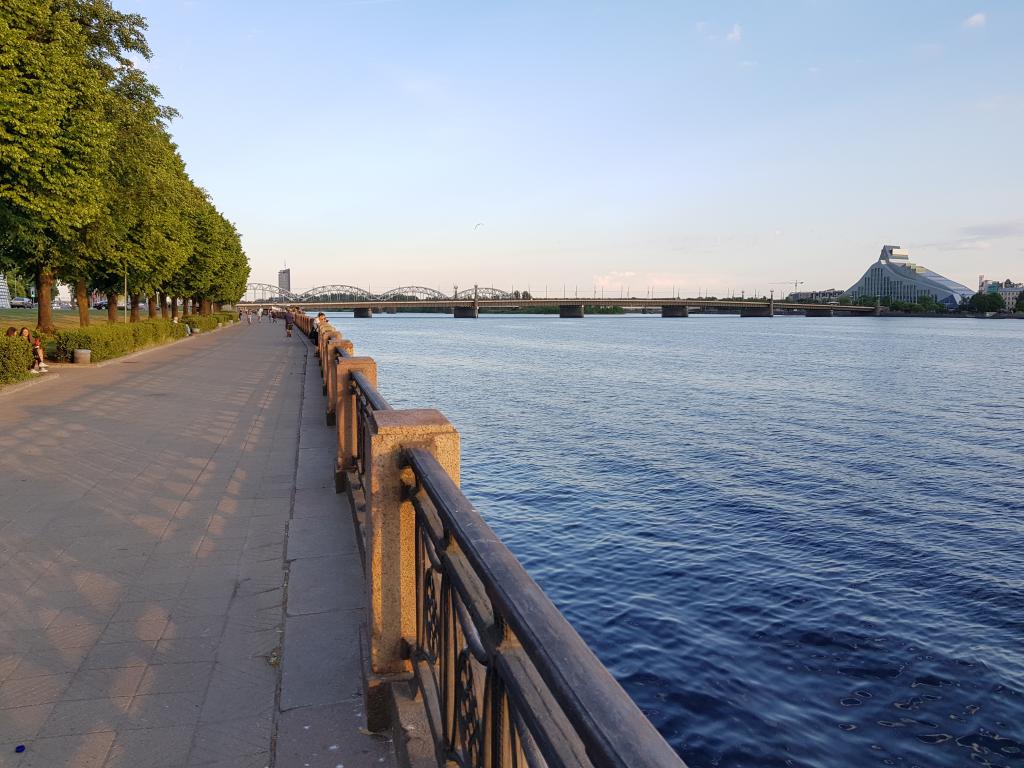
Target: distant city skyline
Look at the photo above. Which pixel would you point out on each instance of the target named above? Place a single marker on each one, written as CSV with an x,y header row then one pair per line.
x,y
710,147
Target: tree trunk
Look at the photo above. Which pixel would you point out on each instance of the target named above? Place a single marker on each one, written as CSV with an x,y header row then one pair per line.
x,y
44,295
206,307
82,300
151,300
111,306
174,307
163,306
135,308
184,307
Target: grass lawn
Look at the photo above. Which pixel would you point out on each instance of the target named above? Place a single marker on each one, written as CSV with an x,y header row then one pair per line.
x,y
62,318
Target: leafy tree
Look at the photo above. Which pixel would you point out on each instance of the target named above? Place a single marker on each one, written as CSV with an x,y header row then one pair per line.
x,y
986,302
92,189
53,139
1019,306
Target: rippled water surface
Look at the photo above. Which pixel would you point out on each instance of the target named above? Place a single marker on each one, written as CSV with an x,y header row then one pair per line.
x,y
794,541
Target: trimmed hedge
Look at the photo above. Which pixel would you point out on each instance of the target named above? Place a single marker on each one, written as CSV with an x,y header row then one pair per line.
x,y
202,322
15,359
116,339
209,322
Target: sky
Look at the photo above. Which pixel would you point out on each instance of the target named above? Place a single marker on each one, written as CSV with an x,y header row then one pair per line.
x,y
695,147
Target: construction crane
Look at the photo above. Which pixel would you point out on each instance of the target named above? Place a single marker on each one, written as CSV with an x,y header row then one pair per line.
x,y
795,283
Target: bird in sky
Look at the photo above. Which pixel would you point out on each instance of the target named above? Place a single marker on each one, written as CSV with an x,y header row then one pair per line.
x,y
478,225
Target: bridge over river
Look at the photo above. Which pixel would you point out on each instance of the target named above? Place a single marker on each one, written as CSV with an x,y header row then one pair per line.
x,y
469,303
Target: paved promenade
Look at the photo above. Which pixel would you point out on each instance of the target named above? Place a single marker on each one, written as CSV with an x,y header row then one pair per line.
x,y
179,583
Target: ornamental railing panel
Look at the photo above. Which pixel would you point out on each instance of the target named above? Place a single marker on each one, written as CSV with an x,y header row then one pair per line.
x,y
503,677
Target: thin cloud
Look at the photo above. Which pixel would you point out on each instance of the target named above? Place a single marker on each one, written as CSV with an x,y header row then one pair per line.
x,y
975,22
980,237
735,34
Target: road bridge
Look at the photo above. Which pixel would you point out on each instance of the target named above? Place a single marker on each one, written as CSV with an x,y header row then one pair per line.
x,y
469,304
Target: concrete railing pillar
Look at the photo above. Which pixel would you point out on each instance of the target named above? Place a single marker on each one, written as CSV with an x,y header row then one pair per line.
x,y
391,527
335,345
326,330
345,411
325,336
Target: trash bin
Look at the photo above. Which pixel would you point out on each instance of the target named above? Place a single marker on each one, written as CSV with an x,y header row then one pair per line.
x,y
83,356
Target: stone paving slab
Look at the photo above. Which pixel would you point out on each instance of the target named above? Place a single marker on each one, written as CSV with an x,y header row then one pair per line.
x,y
144,557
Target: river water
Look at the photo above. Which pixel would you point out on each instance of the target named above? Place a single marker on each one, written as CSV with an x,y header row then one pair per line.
x,y
794,541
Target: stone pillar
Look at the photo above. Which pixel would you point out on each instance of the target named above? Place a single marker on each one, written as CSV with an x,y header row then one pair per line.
x,y
364,312
326,329
756,311
325,335
675,310
473,311
337,344
818,313
345,410
570,310
391,527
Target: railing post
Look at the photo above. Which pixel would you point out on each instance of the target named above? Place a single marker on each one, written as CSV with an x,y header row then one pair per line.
x,y
334,345
326,329
324,336
390,532
346,413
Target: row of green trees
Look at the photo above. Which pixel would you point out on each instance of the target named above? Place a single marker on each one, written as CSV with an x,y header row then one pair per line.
x,y
979,302
92,188
993,302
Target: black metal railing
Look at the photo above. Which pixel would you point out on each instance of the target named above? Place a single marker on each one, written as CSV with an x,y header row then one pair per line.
x,y
368,399
506,679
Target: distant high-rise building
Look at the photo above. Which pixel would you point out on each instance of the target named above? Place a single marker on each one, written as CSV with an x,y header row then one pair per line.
x,y
893,276
5,293
284,280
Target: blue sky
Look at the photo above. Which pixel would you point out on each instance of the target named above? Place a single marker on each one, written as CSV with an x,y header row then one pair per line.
x,y
710,146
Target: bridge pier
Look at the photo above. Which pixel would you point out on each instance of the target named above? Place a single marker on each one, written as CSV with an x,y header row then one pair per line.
x,y
819,313
675,310
570,310
473,312
365,312
755,311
